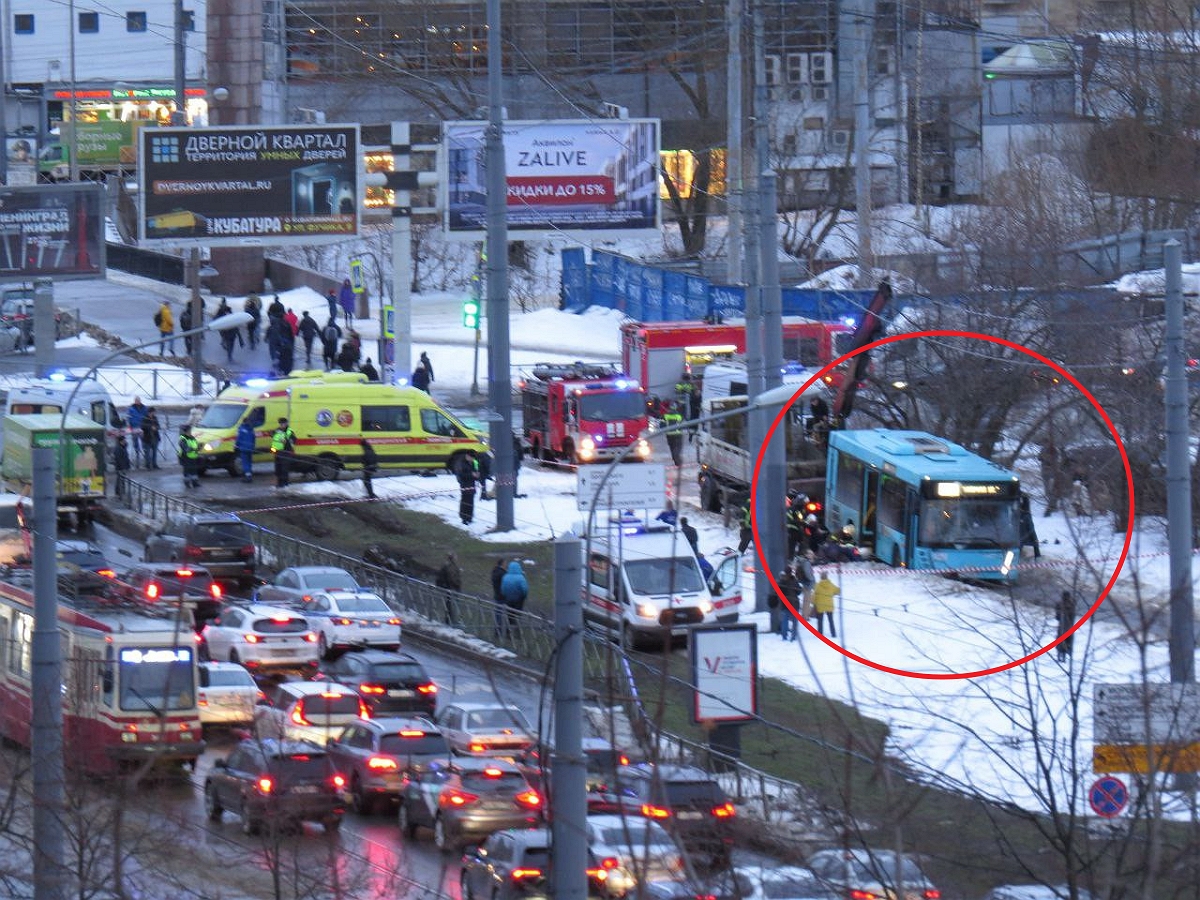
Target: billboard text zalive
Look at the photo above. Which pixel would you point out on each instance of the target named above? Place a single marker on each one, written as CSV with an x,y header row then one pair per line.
x,y
571,176
235,186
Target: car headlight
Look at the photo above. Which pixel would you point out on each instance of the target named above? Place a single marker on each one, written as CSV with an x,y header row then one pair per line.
x,y
587,444
210,447
706,607
647,610
643,448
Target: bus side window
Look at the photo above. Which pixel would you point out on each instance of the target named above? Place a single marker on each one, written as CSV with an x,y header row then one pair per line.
x,y
106,676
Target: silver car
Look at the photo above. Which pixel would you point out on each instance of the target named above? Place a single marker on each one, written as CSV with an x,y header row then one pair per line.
x,y
630,851
296,584
227,694
485,729
882,873
313,711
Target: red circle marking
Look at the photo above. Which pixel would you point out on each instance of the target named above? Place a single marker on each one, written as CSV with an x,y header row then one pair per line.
x,y
945,676
1108,796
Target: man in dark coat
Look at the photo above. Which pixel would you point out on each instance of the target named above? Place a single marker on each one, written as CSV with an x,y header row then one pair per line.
x,y
369,370
370,464
449,577
1066,621
121,462
309,331
689,532
330,335
498,572
466,470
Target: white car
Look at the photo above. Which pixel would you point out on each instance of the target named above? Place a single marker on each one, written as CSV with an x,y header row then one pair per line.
x,y
227,694
261,637
351,619
315,711
485,729
630,851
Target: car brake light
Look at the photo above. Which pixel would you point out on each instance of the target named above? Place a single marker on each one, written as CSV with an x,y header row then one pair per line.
x,y
331,695
343,621
248,551
531,799
106,573
201,699
623,760
724,811
372,689
265,784
215,590
252,638
455,797
609,862
518,874
311,637
931,894
152,591
298,715
412,734
856,894
477,748
339,781
655,812
191,551
281,619
430,688
382,763
364,711
597,873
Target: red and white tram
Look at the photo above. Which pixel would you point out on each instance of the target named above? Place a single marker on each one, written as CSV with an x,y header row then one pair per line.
x,y
128,675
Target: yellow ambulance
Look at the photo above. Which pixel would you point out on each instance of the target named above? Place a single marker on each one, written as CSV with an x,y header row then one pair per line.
x,y
331,412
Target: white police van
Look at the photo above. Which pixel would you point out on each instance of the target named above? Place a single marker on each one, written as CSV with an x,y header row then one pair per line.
x,y
643,583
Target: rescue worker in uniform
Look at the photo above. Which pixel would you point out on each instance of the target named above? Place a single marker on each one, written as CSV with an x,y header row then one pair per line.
x,y
795,523
747,534
674,438
283,442
688,402
189,457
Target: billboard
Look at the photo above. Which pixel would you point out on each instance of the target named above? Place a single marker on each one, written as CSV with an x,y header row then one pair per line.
x,y
52,230
724,662
562,176
230,187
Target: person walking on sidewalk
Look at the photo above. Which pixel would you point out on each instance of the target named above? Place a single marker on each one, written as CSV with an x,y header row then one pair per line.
x,y
515,589
466,470
309,331
449,578
253,306
244,445
189,457
121,463
346,300
330,335
166,327
501,613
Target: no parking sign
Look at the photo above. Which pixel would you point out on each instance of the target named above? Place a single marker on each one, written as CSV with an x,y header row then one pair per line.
x,y
1108,796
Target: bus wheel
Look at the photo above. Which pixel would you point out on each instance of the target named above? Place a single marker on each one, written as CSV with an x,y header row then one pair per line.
x,y
327,467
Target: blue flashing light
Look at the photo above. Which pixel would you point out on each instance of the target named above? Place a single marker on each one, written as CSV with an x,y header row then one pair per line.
x,y
257,382
850,320
598,438
57,376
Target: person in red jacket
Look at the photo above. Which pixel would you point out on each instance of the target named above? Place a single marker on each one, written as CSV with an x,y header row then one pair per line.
x,y
293,321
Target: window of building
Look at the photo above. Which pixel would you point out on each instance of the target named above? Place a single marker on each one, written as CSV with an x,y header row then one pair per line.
x,y
135,21
23,23
189,20
89,23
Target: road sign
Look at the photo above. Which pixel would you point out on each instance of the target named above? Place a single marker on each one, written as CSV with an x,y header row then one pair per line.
x,y
1108,796
389,321
631,486
1150,713
1144,759
356,276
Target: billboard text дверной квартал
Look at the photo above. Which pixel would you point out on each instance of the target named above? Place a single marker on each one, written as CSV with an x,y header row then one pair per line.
x,y
232,186
561,176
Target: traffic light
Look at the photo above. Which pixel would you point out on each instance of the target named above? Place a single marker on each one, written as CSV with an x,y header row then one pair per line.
x,y
470,310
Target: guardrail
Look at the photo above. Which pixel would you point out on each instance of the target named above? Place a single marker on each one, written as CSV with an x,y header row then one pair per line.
x,y
160,383
429,610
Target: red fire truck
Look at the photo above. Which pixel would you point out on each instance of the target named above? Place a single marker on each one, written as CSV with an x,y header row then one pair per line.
x,y
658,353
583,412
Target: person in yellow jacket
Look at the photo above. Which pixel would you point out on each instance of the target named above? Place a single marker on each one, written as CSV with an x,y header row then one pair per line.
x,y
823,595
166,327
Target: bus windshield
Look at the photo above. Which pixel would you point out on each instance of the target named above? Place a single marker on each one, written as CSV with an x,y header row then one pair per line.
x,y
156,679
969,523
222,415
612,407
663,576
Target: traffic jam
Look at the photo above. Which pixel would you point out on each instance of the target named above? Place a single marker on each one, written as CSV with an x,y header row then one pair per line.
x,y
316,707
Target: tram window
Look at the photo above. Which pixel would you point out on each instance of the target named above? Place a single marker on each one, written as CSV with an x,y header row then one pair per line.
x,y
106,675
20,663
3,643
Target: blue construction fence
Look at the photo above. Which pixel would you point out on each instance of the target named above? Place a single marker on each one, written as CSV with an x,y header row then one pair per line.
x,y
646,293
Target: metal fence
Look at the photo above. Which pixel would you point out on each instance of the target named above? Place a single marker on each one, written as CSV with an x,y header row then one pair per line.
x,y
436,612
158,383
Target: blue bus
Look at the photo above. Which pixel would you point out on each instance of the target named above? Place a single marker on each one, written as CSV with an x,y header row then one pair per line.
x,y
922,502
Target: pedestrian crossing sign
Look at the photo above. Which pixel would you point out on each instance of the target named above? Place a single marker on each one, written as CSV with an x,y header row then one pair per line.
x,y
356,276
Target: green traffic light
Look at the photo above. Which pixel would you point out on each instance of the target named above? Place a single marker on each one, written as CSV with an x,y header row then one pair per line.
x,y
470,312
